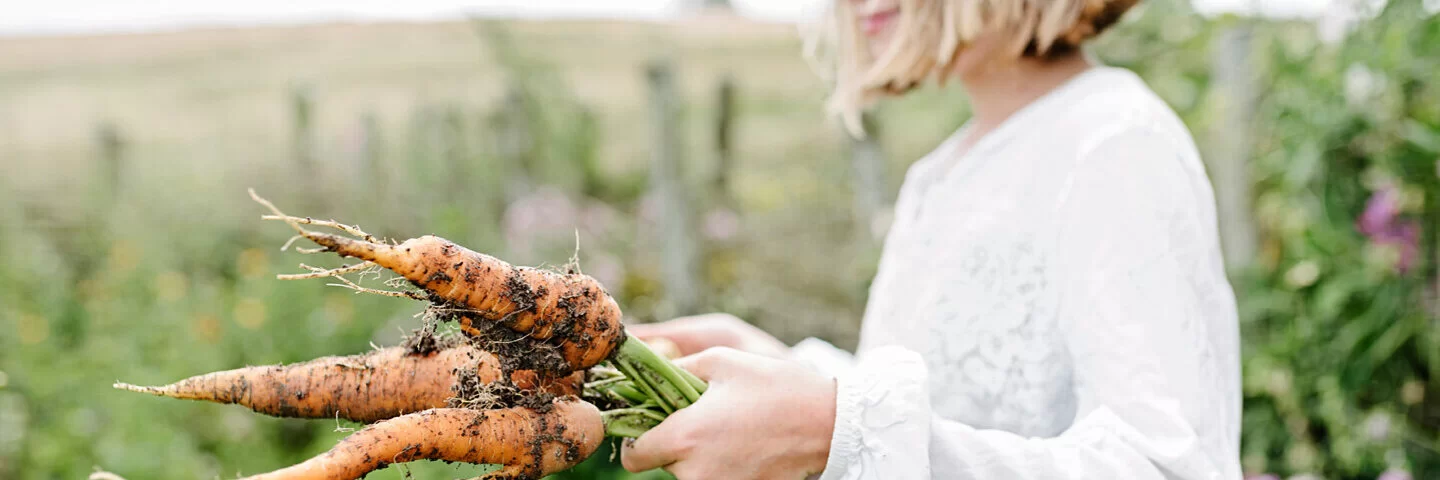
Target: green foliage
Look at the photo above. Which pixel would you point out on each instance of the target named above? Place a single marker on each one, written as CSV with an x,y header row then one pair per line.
x,y
1343,349
171,274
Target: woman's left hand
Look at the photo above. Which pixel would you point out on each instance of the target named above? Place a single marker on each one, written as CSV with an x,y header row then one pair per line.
x,y
760,418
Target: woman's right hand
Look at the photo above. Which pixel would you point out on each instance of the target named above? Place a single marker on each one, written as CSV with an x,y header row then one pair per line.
x,y
696,333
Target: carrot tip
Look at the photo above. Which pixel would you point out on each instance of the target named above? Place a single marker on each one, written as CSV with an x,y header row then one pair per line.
x,y
139,388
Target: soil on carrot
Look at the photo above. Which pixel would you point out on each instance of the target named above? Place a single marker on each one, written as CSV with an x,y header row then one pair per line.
x,y
425,340
574,302
520,292
474,393
574,305
516,351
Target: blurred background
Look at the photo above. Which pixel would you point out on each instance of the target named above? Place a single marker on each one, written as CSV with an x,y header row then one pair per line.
x,y
679,149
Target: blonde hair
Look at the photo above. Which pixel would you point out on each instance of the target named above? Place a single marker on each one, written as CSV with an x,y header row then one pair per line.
x,y
930,34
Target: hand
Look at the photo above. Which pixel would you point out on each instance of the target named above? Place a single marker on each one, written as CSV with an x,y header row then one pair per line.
x,y
760,418
697,333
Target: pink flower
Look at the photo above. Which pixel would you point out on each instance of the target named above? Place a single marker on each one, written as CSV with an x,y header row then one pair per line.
x,y
1380,211
1381,224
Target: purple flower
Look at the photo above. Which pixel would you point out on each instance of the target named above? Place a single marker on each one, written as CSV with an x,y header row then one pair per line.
x,y
1407,238
1262,476
1381,224
1380,211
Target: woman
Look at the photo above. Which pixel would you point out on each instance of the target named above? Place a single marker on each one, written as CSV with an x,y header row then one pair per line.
x,y
1050,302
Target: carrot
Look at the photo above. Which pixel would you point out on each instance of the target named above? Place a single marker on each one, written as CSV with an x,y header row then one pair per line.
x,y
551,322
539,303
365,388
527,443
571,310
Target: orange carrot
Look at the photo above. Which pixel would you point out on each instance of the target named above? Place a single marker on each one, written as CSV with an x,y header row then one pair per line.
x,y
571,310
365,388
527,443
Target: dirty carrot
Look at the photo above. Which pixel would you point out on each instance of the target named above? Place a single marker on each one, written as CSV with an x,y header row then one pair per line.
x,y
365,388
526,314
526,443
570,309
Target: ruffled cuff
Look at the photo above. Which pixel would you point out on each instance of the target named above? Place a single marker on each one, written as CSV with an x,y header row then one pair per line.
x,y
882,419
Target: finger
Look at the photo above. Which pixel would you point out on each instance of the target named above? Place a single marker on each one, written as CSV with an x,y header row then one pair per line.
x,y
644,330
678,332
664,347
657,448
713,364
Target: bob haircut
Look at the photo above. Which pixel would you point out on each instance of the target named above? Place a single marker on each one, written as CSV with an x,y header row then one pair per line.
x,y
929,36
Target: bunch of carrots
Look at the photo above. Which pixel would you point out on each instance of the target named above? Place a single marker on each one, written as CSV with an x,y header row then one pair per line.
x,y
542,372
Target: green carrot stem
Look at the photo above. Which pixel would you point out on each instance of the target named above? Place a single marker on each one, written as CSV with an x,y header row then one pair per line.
x,y
664,386
623,391
628,392
604,383
640,383
646,360
644,412
629,422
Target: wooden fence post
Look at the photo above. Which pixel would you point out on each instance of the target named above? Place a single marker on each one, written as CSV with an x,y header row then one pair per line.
x,y
371,150
303,147
1231,143
111,148
679,253
515,143
302,115
724,139
585,149
458,161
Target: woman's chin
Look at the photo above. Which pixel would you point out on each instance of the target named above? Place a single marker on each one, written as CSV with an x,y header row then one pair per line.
x,y
877,44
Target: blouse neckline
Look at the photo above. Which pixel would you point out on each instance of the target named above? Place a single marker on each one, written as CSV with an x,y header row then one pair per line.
x,y
951,163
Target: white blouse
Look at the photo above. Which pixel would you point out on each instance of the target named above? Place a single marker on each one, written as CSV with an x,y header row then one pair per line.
x,y
1051,304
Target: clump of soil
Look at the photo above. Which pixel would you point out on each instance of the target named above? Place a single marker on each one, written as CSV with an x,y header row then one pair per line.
x,y
472,392
552,434
516,351
425,340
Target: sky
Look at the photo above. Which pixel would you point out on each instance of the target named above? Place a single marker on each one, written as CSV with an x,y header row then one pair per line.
x,y
95,16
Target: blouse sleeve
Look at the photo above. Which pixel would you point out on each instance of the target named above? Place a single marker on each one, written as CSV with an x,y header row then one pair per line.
x,y
1149,322
822,357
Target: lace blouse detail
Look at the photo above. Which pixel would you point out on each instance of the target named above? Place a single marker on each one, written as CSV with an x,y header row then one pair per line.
x,y
1050,305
